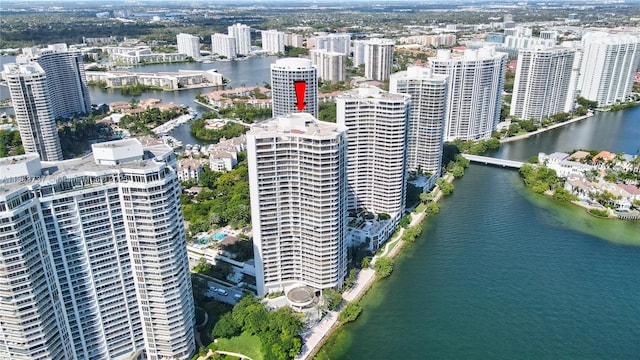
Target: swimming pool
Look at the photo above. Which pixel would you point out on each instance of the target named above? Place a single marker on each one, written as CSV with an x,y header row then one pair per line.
x,y
219,236
204,240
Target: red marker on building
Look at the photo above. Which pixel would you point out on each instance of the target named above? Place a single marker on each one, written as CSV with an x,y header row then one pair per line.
x,y
300,87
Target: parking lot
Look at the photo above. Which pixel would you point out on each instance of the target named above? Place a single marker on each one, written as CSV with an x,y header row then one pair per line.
x,y
226,294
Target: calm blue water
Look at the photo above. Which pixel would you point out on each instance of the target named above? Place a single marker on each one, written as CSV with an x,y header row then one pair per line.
x,y
498,275
617,131
501,273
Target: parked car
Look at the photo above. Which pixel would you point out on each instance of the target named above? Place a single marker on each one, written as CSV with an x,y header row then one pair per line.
x,y
222,292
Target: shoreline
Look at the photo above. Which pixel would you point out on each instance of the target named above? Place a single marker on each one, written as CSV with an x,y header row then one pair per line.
x,y
539,131
364,282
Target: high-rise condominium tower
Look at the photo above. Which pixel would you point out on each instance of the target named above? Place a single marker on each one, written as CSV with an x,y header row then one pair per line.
x,y
94,256
376,123
332,66
475,89
242,34
378,59
66,79
543,82
608,66
427,119
33,108
284,74
189,45
298,185
332,42
223,45
273,41
359,47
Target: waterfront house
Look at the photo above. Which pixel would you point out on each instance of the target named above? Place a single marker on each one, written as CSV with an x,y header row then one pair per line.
x,y
562,165
579,186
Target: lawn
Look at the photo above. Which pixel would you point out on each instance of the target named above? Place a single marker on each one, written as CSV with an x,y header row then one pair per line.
x,y
420,208
245,344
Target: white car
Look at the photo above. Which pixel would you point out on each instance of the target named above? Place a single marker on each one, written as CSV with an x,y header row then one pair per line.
x,y
222,292
237,296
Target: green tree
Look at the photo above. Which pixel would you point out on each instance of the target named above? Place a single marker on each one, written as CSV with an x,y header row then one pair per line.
x,y
586,103
425,197
561,194
432,208
228,130
350,312
412,233
383,267
226,327
332,298
351,278
457,171
446,188
462,161
327,111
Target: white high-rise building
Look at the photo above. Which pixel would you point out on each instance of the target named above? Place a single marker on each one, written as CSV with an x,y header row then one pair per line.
x,y
427,119
298,187
242,34
332,42
66,79
189,45
376,123
378,55
543,82
476,82
359,47
223,45
31,310
273,41
284,74
608,66
295,40
332,66
32,104
105,235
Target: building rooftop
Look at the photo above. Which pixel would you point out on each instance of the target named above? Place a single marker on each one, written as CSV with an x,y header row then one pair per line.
x,y
55,171
292,64
558,156
579,155
16,159
23,69
419,72
371,92
297,123
631,189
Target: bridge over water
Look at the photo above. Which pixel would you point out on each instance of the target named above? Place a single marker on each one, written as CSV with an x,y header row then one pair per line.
x,y
493,161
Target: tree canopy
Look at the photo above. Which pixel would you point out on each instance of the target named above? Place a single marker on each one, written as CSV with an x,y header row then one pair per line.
x,y
223,201
228,131
277,330
10,143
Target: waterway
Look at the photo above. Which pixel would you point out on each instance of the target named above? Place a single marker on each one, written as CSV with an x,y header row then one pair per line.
x,y
253,71
501,273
